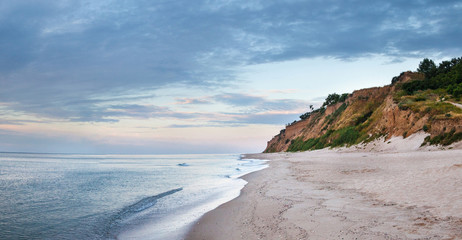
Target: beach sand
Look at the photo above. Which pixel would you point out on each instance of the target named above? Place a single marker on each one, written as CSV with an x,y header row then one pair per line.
x,y
387,190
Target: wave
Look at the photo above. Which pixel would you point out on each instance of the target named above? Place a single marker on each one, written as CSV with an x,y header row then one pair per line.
x,y
132,210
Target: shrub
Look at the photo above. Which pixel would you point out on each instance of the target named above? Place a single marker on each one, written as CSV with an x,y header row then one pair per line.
x,y
396,78
363,118
446,74
443,108
305,115
444,139
334,98
331,99
402,106
343,97
425,128
345,136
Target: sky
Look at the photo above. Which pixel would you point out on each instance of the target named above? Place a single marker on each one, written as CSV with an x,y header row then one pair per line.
x,y
203,76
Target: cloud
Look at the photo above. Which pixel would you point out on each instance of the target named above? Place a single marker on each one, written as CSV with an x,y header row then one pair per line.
x,y
249,109
259,118
148,111
283,91
59,56
189,126
237,99
16,122
259,103
246,109
40,143
114,113
187,101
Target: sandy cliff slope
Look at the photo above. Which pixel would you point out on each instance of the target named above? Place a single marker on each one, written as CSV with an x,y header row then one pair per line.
x,y
372,113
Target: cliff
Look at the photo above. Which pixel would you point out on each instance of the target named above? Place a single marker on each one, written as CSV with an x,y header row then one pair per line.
x,y
367,114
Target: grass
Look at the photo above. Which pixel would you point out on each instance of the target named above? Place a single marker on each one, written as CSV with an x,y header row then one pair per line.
x,y
363,118
444,139
398,95
342,137
345,136
431,107
331,118
443,108
426,102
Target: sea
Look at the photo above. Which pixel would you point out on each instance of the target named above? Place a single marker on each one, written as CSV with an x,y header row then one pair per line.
x,y
72,196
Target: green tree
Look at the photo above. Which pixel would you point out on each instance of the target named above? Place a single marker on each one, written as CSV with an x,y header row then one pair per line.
x,y
457,91
343,97
427,67
331,99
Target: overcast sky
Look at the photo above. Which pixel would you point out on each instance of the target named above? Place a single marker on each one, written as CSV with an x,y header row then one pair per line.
x,y
147,76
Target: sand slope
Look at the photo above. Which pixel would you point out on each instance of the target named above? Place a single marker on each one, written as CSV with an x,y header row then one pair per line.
x,y
345,194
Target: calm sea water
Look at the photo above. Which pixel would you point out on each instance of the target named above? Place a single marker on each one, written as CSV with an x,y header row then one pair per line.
x,y
61,196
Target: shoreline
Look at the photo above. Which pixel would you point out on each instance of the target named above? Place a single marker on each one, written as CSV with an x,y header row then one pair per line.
x,y
340,193
176,222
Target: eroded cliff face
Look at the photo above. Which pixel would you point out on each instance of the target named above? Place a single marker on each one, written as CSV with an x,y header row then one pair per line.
x,y
369,113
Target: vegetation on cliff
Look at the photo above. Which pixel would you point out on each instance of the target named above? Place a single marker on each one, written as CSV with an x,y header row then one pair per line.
x,y
415,101
446,77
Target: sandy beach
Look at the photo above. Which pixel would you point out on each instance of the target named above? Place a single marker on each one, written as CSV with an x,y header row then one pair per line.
x,y
387,190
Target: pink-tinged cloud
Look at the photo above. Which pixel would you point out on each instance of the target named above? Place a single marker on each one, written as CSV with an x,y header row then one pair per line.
x,y
284,91
186,101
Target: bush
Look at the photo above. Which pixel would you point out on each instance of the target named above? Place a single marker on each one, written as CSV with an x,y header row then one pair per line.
x,y
341,137
402,106
335,98
331,99
345,136
425,128
457,91
420,98
363,118
396,78
446,74
305,115
343,97
443,108
444,139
